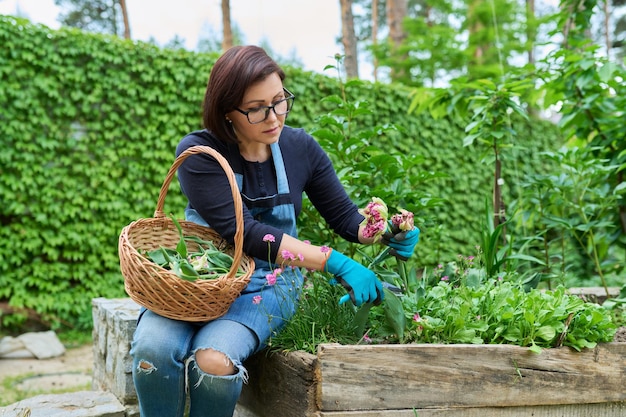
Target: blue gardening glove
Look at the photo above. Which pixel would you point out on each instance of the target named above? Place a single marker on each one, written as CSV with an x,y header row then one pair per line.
x,y
361,283
402,244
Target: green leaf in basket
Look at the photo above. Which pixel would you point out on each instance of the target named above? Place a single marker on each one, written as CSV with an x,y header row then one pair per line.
x,y
181,248
175,267
188,272
206,244
220,259
157,257
162,256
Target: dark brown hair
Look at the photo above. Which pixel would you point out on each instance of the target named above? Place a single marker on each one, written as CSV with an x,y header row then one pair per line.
x,y
237,69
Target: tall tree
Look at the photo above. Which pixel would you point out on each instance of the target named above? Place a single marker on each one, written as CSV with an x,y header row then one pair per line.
x,y
348,39
616,28
101,16
396,13
494,29
431,48
227,40
375,36
125,19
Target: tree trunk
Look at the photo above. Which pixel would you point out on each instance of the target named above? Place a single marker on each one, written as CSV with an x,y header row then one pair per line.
x,y
476,26
227,41
375,36
126,20
570,25
396,12
348,39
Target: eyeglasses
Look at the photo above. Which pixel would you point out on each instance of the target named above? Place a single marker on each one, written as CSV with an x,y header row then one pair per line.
x,y
260,114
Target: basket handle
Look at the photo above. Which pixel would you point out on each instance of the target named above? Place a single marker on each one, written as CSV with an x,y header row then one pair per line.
x,y
194,150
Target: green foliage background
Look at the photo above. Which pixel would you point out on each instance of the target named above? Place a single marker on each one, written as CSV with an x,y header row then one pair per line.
x,y
88,127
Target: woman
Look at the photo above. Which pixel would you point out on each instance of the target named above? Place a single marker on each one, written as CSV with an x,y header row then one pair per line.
x,y
245,107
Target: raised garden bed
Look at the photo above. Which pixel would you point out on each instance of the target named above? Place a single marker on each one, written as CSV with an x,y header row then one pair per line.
x,y
430,380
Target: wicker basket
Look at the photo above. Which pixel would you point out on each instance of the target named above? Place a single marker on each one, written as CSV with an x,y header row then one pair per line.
x,y
161,290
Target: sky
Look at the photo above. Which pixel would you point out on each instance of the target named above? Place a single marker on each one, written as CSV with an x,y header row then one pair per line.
x,y
304,28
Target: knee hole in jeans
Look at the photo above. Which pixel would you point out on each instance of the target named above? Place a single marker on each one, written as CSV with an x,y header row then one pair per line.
x,y
214,362
145,366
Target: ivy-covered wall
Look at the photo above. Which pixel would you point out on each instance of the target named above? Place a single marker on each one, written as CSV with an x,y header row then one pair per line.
x,y
88,127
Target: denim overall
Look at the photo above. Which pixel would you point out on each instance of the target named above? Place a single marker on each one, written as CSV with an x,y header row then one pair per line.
x,y
277,302
168,346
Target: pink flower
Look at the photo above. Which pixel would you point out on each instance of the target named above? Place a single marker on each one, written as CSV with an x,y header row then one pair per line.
x,y
308,242
278,271
288,256
269,238
256,299
445,278
375,222
374,228
417,318
367,339
301,257
271,279
376,208
325,249
403,220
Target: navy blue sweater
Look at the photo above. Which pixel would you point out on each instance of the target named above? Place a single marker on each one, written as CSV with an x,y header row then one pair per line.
x,y
308,169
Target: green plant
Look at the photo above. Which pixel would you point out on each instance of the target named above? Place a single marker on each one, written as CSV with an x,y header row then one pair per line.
x,y
357,148
455,302
572,203
465,306
205,262
319,318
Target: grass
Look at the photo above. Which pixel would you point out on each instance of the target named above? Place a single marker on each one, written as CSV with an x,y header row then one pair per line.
x,y
14,389
11,390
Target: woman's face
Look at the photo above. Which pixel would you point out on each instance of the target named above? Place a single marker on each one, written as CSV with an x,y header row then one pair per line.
x,y
265,93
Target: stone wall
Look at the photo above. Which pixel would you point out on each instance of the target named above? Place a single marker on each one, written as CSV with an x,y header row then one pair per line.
x,y
114,322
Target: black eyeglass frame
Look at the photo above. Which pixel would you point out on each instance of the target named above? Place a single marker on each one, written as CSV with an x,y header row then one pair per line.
x,y
290,96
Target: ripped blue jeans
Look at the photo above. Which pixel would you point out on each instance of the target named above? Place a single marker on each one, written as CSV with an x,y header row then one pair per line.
x,y
165,370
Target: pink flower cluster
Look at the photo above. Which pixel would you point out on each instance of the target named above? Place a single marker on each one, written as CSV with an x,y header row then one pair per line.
x,y
403,221
375,222
376,214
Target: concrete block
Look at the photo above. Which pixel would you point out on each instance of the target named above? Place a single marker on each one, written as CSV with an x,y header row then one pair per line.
x,y
74,404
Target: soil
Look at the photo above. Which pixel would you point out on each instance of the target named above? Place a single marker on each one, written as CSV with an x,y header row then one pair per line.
x,y
620,335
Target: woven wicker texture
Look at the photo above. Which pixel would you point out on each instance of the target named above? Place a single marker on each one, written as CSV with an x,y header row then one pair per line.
x,y
160,289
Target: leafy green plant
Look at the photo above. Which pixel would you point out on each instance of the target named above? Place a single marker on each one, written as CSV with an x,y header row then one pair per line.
x,y
357,148
465,306
319,318
572,203
205,262
506,313
455,302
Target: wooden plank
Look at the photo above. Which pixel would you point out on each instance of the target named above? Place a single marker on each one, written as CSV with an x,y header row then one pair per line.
x,y
387,377
569,410
280,385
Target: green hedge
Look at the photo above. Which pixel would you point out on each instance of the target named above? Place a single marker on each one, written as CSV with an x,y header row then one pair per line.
x,y
89,124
